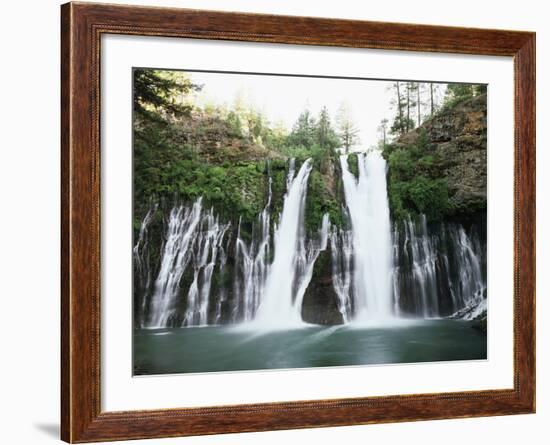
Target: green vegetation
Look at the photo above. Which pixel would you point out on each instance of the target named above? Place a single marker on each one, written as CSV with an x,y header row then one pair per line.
x,y
415,184
321,199
353,165
156,93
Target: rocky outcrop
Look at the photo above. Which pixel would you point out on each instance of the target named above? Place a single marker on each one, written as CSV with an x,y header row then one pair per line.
x,y
217,142
458,138
320,300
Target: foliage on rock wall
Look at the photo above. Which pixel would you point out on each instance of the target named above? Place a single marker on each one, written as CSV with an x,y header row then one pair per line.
x,y
322,197
439,169
415,184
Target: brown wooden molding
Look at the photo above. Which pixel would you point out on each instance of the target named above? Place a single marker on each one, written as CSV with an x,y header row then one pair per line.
x,y
82,25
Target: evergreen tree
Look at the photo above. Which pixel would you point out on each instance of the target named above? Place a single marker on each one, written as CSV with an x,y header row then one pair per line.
x,y
348,132
303,131
432,94
411,88
326,136
402,121
419,103
457,92
480,89
166,91
383,129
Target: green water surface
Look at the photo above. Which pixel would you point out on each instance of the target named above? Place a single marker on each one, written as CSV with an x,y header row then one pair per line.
x,y
224,348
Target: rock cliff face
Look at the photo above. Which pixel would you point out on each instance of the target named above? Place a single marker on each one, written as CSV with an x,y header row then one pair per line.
x,y
216,142
458,137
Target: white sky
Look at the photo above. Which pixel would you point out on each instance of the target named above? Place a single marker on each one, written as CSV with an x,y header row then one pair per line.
x,y
283,98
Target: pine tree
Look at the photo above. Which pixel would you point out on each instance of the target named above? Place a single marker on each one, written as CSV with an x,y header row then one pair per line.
x,y
402,121
348,132
432,104
411,88
326,136
418,105
383,129
457,92
166,91
303,131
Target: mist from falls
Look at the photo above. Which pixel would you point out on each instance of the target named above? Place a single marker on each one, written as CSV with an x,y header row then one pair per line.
x,y
203,271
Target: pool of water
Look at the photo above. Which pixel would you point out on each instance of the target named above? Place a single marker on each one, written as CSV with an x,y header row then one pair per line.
x,y
237,348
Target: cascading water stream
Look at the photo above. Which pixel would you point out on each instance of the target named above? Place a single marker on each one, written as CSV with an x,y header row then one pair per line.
x,y
438,270
367,202
142,263
277,308
253,264
208,242
305,260
341,249
176,255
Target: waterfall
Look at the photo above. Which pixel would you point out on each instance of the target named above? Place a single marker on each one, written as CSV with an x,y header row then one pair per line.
x,y
142,263
252,261
306,256
222,292
367,202
438,270
471,281
208,243
277,308
341,249
193,240
177,252
424,256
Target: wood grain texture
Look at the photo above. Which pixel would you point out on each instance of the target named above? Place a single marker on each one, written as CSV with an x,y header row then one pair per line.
x,y
81,28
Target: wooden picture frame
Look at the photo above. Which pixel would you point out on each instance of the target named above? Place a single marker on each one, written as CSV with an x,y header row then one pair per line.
x,y
82,25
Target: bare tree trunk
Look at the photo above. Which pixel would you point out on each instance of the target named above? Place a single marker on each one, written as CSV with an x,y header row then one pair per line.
x,y
431,99
408,105
418,103
399,109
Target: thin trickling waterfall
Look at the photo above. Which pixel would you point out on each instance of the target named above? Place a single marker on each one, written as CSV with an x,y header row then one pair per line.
x,y
277,308
252,265
424,256
341,249
306,255
367,201
143,264
222,291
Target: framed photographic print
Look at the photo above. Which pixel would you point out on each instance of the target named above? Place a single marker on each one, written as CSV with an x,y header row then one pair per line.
x,y
275,222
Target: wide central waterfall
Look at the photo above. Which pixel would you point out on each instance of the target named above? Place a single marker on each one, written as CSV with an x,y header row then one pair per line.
x,y
192,268
367,201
